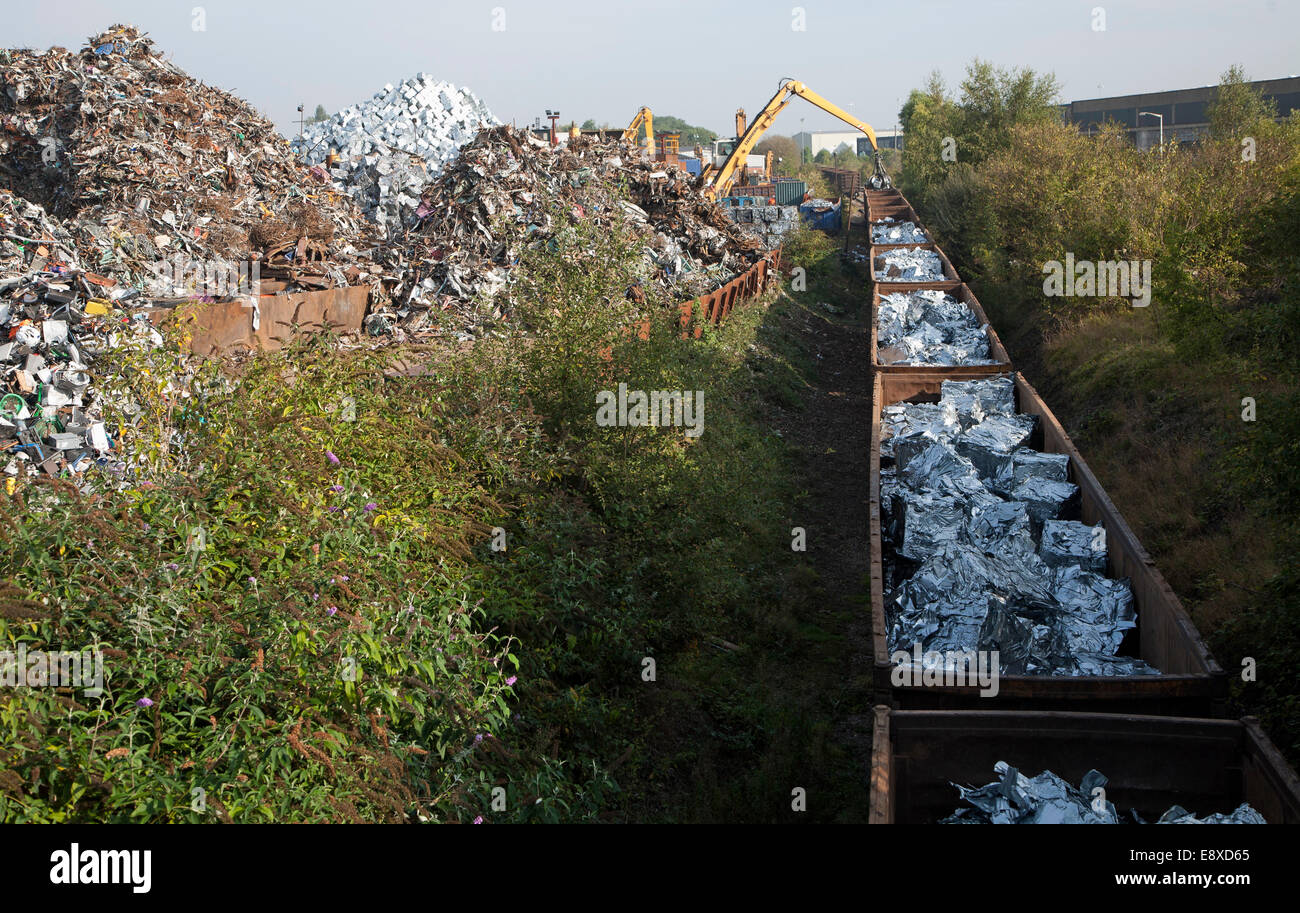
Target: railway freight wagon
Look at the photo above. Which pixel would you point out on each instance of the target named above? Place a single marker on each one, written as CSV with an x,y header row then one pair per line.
x,y
1151,763
1188,682
1157,735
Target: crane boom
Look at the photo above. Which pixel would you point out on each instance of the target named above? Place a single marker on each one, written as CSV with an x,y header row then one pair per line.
x,y
720,181
644,118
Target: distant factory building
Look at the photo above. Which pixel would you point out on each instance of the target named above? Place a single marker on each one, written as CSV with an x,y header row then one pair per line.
x,y
833,141
1184,111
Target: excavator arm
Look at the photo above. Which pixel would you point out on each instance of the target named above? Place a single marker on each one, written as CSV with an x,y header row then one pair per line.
x,y
718,182
643,119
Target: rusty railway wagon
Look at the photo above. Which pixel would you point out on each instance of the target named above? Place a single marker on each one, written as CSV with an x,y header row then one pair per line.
x,y
1152,762
1191,683
1159,738
963,294
948,283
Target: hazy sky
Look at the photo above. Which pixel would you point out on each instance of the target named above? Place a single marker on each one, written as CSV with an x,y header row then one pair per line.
x,y
699,61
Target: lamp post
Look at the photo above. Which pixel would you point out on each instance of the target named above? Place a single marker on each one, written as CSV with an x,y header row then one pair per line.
x,y
554,116
1161,118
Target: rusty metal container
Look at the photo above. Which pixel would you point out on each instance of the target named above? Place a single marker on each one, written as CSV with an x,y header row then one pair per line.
x,y
949,282
962,293
1191,683
1153,762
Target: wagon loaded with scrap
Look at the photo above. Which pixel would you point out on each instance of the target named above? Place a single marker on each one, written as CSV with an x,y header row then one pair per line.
x,y
1027,650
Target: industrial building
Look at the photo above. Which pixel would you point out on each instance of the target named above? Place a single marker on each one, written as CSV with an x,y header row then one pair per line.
x,y
833,141
1181,113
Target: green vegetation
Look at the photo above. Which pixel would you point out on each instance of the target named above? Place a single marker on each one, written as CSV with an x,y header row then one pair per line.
x,y
1154,396
691,135
303,616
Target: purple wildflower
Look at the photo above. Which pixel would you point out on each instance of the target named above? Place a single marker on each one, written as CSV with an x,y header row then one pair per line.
x,y
478,820
371,505
512,679
329,455
336,488
144,702
332,611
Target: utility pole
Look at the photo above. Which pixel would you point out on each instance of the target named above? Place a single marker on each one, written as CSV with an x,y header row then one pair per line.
x,y
554,116
300,122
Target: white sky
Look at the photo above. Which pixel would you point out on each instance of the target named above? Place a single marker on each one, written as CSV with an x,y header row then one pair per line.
x,y
699,61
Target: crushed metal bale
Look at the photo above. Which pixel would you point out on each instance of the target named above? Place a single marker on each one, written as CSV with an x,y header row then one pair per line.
x,y
887,231
1048,799
982,546
930,327
909,264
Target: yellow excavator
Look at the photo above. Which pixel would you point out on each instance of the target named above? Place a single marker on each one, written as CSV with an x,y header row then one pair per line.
x,y
643,119
717,182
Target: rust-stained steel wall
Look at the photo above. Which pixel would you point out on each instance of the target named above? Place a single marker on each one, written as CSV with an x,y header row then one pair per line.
x,y
718,304
225,327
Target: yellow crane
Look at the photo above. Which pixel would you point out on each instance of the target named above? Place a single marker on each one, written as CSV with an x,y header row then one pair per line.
x,y
718,181
646,119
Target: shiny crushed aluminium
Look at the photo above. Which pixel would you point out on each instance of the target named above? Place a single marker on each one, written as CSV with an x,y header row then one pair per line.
x,y
1242,814
910,264
1030,464
991,443
902,419
928,521
1014,798
1047,500
1067,542
887,231
976,400
1045,799
930,327
967,565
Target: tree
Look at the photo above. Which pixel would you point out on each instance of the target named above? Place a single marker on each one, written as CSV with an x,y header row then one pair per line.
x,y
782,147
1238,107
666,123
822,158
321,114
589,124
993,100
942,132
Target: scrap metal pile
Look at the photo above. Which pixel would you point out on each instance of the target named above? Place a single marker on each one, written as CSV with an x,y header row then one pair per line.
x,y
982,551
930,327
887,231
145,164
509,190
126,186
392,145
909,264
770,223
1047,799
58,323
